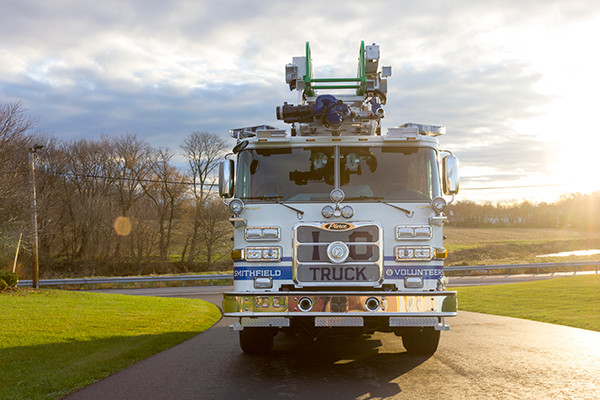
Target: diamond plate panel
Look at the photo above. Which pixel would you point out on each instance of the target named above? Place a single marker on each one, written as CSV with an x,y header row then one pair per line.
x,y
266,322
413,321
339,321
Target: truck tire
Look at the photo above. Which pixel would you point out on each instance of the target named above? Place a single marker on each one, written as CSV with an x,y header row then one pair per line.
x,y
421,341
256,340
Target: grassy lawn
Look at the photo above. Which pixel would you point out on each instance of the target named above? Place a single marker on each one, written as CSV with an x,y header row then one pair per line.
x,y
572,301
53,342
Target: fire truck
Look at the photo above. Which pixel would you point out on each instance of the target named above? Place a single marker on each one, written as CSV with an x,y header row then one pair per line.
x,y
338,226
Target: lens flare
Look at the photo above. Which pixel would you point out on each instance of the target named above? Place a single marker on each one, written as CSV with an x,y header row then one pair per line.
x,y
122,226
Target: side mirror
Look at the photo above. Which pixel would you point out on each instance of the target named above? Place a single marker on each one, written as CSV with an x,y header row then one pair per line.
x,y
450,177
226,170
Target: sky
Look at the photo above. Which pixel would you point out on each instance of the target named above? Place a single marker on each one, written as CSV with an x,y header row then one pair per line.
x,y
515,82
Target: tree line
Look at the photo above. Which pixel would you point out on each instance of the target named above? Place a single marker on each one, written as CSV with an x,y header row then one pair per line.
x,y
119,206
576,211
109,206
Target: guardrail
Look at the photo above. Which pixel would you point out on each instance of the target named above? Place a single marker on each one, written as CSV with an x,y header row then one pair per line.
x,y
537,266
184,278
124,280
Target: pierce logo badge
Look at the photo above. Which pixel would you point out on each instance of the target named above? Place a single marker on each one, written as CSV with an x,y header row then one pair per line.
x,y
337,226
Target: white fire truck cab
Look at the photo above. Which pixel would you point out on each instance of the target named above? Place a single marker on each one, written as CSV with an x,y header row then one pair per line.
x,y
338,227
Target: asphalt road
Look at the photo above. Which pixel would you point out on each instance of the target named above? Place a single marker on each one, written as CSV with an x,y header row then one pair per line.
x,y
481,357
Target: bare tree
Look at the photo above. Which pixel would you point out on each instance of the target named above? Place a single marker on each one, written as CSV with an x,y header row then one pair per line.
x,y
88,186
202,150
15,133
132,158
166,192
15,129
214,228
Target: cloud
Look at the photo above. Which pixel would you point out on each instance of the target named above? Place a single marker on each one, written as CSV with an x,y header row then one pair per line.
x,y
163,69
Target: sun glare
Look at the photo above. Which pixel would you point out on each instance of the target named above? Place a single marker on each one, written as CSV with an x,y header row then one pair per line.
x,y
576,164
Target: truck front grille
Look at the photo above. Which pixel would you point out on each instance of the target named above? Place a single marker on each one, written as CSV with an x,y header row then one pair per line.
x,y
365,253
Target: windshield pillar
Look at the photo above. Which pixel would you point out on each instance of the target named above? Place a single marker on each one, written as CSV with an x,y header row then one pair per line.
x,y
336,164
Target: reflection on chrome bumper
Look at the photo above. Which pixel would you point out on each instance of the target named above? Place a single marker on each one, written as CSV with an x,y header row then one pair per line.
x,y
289,304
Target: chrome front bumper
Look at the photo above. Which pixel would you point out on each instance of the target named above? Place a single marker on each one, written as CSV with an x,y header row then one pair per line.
x,y
340,304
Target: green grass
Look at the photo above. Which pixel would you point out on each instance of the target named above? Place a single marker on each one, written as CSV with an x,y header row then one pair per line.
x,y
572,301
53,342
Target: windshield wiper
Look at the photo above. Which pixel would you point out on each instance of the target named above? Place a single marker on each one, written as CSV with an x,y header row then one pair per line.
x,y
363,197
408,212
268,197
275,199
380,200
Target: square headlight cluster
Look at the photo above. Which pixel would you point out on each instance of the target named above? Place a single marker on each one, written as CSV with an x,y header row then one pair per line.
x,y
413,232
412,253
262,253
262,233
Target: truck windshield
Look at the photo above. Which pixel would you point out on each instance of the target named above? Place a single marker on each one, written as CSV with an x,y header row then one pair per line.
x,y
296,174
389,173
365,173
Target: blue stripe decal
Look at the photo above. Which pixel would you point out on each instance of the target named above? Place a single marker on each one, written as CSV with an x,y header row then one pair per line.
x,y
401,271
247,273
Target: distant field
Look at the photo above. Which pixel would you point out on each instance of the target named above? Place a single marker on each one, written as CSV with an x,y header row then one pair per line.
x,y
472,246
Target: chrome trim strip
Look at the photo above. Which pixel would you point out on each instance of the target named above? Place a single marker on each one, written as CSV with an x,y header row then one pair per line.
x,y
327,314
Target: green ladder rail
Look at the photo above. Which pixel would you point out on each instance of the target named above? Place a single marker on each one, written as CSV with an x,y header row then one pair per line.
x,y
361,80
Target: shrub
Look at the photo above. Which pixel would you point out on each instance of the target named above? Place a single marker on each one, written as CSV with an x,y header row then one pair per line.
x,y
3,285
10,278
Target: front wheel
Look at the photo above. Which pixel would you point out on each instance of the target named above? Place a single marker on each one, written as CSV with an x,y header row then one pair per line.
x,y
421,341
256,340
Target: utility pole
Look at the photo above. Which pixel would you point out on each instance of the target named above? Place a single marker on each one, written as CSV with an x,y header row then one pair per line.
x,y
36,258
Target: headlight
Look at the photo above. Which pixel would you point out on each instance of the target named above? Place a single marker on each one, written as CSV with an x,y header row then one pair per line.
x,y
414,253
259,233
236,206
438,204
262,253
413,232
